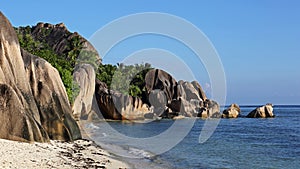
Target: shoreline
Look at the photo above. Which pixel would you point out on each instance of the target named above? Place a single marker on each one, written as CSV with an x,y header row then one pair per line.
x,y
56,154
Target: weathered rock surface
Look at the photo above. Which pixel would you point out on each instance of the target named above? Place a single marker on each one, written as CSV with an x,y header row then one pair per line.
x,y
190,91
262,112
173,99
201,92
159,79
158,101
33,102
17,123
51,98
58,37
84,75
232,111
67,44
117,106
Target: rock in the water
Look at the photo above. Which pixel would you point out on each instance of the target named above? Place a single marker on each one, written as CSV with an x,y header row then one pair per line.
x,y
84,76
262,112
232,111
33,102
210,109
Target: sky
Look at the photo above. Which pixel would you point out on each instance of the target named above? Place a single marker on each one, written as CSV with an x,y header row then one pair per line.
x,y
258,41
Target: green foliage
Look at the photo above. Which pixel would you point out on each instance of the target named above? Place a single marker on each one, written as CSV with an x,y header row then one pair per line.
x,y
127,79
64,66
88,57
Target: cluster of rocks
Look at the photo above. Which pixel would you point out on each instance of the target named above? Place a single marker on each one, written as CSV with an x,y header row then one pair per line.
x,y
234,111
165,98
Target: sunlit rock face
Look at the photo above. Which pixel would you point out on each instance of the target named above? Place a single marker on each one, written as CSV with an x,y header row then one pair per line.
x,y
232,111
262,112
33,102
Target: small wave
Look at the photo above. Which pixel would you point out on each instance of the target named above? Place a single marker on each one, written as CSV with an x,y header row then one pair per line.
x,y
91,126
140,153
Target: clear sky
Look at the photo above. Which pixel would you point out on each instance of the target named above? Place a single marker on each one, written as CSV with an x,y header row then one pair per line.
x,y
258,41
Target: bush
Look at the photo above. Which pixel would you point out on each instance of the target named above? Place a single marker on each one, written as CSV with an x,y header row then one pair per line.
x,y
64,66
127,79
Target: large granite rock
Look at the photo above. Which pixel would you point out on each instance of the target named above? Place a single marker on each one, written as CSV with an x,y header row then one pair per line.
x,y
84,75
51,98
17,122
117,106
262,112
58,37
232,111
210,109
190,91
71,46
158,102
181,98
159,79
33,102
201,92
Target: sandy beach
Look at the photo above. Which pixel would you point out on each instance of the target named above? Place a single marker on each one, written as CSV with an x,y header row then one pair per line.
x,y
56,154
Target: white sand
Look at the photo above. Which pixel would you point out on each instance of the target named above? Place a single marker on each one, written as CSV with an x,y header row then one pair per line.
x,y
80,154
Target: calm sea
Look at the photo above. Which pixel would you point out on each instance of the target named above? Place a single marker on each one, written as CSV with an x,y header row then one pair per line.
x,y
236,143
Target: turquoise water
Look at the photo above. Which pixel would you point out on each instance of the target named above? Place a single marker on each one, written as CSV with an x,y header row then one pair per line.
x,y
236,143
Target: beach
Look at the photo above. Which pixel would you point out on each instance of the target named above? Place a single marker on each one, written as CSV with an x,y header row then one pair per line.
x,y
63,155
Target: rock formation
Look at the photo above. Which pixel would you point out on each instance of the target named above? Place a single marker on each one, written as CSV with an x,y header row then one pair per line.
x,y
51,98
117,106
178,98
262,112
232,111
70,46
159,79
84,76
165,98
58,37
33,101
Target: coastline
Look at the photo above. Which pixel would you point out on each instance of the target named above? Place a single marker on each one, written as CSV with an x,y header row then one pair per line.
x,y
56,154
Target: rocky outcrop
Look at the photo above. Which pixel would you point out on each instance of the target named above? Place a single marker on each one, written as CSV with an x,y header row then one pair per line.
x,y
117,106
33,102
158,101
201,92
190,92
232,111
70,46
159,79
58,38
262,112
208,109
17,122
84,76
51,98
172,99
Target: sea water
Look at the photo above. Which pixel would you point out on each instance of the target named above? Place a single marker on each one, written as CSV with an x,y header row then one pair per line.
x,y
236,143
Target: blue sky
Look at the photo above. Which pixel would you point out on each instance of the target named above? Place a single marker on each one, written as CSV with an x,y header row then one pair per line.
x,y
258,41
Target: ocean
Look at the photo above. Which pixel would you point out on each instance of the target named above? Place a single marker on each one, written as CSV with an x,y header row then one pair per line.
x,y
235,143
